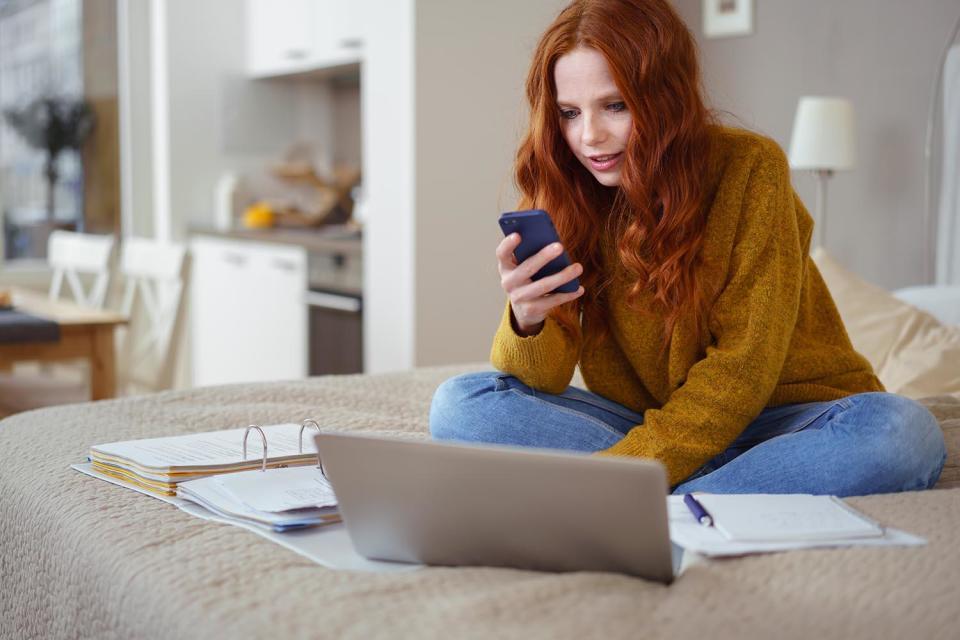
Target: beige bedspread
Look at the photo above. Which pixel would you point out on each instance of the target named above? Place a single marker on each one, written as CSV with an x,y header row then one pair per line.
x,y
81,558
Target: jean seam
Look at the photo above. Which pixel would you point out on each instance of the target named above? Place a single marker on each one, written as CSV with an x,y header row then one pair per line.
x,y
846,402
835,403
614,411
814,418
571,412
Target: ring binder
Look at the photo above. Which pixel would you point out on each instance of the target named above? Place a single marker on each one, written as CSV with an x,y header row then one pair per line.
x,y
158,465
303,426
263,466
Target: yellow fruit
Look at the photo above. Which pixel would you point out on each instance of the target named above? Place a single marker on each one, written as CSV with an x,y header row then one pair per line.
x,y
258,215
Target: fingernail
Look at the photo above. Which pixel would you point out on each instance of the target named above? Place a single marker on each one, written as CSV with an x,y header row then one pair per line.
x,y
555,247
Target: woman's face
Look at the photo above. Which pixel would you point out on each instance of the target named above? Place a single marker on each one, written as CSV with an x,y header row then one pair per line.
x,y
593,116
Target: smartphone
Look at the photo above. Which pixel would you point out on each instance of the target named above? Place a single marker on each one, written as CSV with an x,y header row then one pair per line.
x,y
537,231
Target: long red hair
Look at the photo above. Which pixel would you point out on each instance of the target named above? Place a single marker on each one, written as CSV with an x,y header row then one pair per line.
x,y
656,215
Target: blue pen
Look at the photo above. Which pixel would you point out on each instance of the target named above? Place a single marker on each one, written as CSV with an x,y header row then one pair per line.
x,y
701,514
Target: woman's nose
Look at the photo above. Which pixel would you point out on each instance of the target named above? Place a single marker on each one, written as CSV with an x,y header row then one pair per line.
x,y
593,131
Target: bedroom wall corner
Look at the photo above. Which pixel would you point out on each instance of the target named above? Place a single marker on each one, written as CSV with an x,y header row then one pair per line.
x,y
881,54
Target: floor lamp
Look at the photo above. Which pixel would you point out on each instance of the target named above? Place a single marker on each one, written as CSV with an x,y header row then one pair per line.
x,y
823,141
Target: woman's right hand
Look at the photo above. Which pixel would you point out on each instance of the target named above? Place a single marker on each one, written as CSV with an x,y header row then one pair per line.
x,y
532,301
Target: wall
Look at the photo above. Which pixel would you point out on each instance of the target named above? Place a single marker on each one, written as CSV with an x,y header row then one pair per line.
x,y
471,63
218,119
387,115
135,96
881,54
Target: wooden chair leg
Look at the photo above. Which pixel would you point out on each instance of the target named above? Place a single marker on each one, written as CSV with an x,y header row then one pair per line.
x,y
103,373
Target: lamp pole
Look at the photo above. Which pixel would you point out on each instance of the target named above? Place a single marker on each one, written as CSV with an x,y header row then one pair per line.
x,y
821,222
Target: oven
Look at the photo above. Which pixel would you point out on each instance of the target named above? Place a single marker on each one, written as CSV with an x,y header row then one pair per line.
x,y
334,302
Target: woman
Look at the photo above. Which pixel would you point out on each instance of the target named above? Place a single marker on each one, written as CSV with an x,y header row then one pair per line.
x,y
705,334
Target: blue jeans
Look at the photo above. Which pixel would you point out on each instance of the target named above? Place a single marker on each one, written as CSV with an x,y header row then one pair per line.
x,y
862,444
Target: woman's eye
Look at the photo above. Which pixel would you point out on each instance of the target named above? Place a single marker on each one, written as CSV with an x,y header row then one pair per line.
x,y
568,114
617,106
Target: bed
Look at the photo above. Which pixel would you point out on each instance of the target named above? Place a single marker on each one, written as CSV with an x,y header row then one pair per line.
x,y
83,558
80,557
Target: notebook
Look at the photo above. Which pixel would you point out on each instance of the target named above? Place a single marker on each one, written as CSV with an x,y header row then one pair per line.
x,y
706,541
786,517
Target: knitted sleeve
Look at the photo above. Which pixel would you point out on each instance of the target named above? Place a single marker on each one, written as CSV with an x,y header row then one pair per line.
x,y
544,361
751,323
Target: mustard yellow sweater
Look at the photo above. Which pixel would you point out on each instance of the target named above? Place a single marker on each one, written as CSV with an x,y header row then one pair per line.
x,y
773,335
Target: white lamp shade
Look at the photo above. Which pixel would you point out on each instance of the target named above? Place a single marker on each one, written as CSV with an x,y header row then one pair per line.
x,y
823,134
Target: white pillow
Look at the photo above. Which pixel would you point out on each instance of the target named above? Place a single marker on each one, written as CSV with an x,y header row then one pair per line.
x,y
942,301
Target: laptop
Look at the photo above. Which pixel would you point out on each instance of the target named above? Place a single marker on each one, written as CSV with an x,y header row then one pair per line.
x,y
442,503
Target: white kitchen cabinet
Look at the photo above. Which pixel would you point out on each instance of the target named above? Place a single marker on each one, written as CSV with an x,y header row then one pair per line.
x,y
248,316
298,36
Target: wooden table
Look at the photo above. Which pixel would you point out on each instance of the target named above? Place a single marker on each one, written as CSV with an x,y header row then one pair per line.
x,y
84,333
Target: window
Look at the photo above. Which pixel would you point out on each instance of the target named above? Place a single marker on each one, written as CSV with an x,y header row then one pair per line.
x,y
58,83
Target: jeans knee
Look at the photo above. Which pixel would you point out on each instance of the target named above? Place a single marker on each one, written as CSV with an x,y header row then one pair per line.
x,y
912,441
449,409
929,441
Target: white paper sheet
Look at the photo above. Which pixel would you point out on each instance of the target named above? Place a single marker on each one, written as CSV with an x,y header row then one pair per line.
x,y
686,532
211,494
329,545
276,490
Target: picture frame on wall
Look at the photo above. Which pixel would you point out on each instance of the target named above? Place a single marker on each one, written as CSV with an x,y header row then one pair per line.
x,y
727,18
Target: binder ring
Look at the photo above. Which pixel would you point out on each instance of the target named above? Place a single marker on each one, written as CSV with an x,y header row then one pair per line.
x,y
263,464
306,423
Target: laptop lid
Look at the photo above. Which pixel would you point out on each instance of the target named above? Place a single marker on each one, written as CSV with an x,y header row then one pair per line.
x,y
465,504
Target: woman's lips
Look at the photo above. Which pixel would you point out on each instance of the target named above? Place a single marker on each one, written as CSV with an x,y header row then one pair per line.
x,y
605,162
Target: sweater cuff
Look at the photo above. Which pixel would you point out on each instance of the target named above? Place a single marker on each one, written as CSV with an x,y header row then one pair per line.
x,y
626,447
632,446
535,351
544,361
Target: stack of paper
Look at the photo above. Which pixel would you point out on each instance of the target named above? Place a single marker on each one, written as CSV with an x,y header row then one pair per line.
x,y
278,499
160,464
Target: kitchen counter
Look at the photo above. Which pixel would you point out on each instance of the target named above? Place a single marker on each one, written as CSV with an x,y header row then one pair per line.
x,y
334,239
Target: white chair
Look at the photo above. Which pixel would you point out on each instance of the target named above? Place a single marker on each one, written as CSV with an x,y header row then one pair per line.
x,y
75,255
154,275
